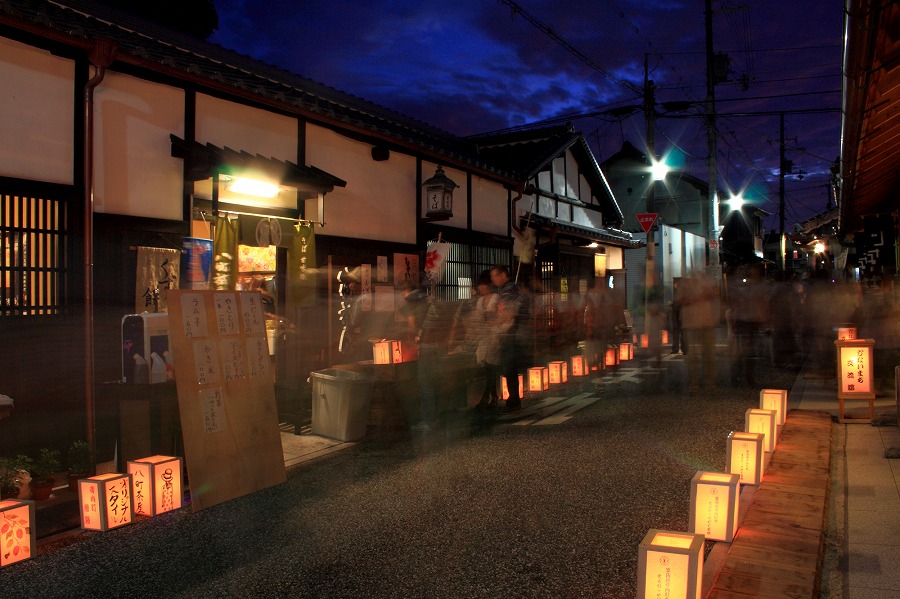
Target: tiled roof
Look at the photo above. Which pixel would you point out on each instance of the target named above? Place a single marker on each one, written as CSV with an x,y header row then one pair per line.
x,y
79,22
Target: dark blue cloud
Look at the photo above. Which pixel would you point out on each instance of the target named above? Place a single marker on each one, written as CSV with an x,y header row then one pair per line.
x,y
471,66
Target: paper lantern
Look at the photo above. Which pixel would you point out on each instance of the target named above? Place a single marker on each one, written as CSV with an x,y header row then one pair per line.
x,y
387,351
774,399
664,336
579,365
17,539
559,372
612,356
538,378
504,390
105,501
846,333
626,351
855,375
757,420
715,500
670,564
744,456
157,484
645,340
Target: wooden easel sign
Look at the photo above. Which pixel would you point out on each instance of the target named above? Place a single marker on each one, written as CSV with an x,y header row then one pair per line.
x,y
226,394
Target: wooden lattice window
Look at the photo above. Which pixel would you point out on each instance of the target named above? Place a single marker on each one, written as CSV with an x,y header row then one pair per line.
x,y
464,264
32,233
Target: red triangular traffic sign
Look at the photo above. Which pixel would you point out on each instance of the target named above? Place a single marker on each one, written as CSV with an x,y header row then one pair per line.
x,y
647,219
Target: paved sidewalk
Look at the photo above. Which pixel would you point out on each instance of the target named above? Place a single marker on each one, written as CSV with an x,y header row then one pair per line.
x,y
863,537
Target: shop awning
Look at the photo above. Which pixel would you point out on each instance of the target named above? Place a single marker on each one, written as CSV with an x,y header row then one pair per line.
x,y
608,236
203,161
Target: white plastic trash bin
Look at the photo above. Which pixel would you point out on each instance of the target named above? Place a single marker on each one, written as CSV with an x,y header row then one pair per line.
x,y
340,403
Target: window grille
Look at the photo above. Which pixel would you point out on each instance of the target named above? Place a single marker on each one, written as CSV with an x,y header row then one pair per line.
x,y
32,234
467,262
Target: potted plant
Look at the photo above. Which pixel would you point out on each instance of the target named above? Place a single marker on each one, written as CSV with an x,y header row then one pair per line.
x,y
45,466
14,475
80,463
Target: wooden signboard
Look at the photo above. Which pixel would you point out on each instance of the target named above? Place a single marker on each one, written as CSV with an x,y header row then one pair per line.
x,y
855,375
226,395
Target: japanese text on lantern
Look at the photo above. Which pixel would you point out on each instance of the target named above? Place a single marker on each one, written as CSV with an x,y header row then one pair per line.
x,y
234,363
251,310
139,484
90,509
212,406
226,314
206,361
856,370
118,501
194,315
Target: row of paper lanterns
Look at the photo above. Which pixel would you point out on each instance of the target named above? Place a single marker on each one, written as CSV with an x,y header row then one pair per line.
x,y
152,486
670,564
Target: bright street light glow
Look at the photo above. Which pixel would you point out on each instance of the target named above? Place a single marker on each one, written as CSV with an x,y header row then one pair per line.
x,y
736,202
658,170
819,248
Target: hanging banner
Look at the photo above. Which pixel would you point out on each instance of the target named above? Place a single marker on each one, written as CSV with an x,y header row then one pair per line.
x,y
406,268
197,262
157,272
225,251
302,267
436,254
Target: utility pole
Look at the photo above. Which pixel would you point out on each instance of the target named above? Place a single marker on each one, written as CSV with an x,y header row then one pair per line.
x,y
714,263
781,165
649,113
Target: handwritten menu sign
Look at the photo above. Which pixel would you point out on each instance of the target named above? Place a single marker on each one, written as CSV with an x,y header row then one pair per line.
x,y
226,394
227,314
212,407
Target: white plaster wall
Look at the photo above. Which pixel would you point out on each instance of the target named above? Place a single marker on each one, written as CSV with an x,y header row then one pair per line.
x,y
615,259
379,201
587,218
246,128
559,175
36,114
134,171
489,207
572,174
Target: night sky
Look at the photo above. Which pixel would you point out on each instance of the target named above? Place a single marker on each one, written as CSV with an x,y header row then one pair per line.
x,y
475,66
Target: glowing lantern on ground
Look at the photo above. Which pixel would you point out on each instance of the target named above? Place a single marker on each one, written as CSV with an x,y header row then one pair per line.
x,y
761,421
157,484
664,336
17,541
626,351
855,375
774,399
744,456
846,333
387,351
559,372
538,378
645,340
670,564
579,365
612,356
504,389
105,501
715,499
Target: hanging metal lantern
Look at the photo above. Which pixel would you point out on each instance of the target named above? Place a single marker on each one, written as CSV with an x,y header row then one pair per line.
x,y
439,196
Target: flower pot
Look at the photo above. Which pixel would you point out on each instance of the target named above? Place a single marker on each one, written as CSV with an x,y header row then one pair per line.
x,y
41,488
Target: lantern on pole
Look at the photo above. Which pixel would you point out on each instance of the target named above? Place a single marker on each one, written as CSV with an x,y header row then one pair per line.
x,y
157,484
715,500
744,456
670,564
17,532
855,375
438,191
